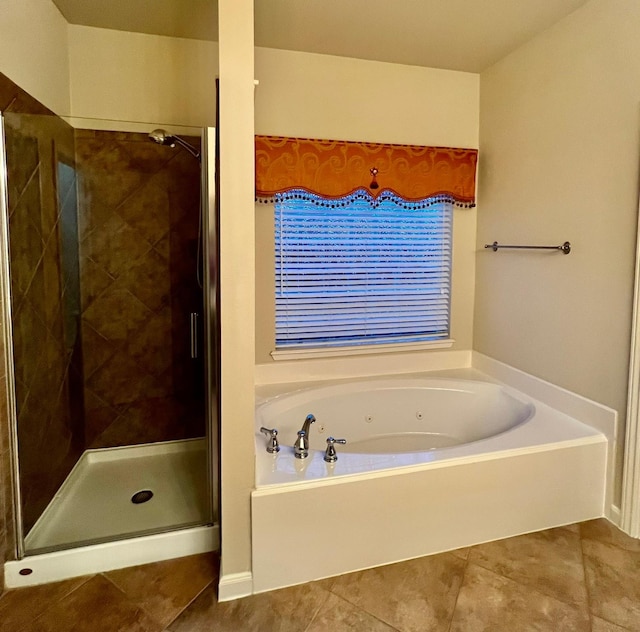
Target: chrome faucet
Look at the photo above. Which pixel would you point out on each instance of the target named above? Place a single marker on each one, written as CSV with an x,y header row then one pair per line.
x,y
301,446
330,455
272,434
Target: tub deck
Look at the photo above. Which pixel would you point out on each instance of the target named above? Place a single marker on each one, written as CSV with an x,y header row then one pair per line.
x,y
313,520
548,428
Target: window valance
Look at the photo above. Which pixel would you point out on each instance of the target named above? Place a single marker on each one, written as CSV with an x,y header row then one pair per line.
x,y
334,169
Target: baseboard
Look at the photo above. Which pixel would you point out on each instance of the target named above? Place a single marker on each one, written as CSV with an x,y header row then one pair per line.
x,y
234,586
614,515
109,556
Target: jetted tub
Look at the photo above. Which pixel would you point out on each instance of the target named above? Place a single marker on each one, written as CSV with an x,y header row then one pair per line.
x,y
397,416
430,464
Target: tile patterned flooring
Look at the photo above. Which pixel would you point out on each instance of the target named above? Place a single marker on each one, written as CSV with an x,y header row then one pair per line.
x,y
584,577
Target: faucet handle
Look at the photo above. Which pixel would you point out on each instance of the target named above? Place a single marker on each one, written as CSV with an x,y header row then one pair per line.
x,y
331,456
301,446
272,444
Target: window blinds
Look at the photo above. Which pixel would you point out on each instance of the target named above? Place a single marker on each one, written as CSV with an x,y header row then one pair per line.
x,y
350,272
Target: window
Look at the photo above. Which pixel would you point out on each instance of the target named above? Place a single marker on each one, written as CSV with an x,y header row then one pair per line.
x,y
355,271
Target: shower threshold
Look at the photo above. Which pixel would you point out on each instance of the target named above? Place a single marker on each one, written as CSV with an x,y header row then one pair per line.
x,y
125,491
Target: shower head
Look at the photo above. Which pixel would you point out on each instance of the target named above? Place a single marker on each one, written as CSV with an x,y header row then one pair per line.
x,y
161,137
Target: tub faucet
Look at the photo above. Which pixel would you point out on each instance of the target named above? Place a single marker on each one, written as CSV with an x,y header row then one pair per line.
x,y
272,434
301,446
330,455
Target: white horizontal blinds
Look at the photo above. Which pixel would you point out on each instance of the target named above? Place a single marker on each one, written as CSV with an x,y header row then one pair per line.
x,y
349,273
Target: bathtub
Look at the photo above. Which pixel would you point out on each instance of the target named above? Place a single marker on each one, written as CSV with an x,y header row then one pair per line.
x,y
386,423
430,464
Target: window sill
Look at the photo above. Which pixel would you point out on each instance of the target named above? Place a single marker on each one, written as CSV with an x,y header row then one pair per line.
x,y
334,352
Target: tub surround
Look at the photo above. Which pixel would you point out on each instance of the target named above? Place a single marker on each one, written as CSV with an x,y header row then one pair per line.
x,y
351,525
277,378
598,416
561,473
536,428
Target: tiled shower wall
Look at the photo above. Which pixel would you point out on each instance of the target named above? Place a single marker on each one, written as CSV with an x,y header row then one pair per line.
x,y
139,209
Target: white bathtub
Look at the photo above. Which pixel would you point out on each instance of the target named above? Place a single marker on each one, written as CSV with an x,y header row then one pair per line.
x,y
393,416
430,464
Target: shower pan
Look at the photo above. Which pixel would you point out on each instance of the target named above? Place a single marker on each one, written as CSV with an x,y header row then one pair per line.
x,y
111,328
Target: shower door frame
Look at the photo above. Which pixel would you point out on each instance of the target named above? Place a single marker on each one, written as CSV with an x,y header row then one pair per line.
x,y
7,331
211,298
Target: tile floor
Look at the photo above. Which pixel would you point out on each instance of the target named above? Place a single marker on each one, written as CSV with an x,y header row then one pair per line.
x,y
582,577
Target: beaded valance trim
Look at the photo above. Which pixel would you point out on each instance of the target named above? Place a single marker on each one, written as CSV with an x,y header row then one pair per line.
x,y
362,194
334,169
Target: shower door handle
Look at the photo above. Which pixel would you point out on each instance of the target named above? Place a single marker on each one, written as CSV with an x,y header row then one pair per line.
x,y
194,335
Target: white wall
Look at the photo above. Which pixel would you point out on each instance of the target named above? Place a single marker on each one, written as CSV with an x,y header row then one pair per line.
x,y
33,50
116,75
321,96
237,287
559,132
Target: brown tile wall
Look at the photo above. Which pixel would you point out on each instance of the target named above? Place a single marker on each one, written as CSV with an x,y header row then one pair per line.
x,y
138,241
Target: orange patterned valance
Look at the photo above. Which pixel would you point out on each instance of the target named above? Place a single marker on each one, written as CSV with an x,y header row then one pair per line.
x,y
335,169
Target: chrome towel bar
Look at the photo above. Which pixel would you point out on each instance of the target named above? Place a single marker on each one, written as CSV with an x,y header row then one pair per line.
x,y
565,248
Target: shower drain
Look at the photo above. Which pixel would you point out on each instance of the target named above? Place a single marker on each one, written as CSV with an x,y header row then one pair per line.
x,y
142,497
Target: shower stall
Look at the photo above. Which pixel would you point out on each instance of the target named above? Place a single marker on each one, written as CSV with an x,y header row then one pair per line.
x,y
110,311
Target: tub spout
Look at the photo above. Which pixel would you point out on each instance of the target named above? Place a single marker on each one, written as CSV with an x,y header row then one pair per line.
x,y
301,446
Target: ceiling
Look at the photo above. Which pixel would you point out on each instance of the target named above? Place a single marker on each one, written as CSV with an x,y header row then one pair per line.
x,y
467,35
